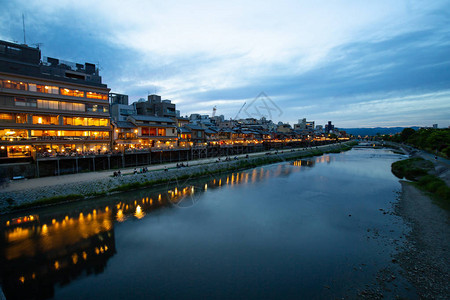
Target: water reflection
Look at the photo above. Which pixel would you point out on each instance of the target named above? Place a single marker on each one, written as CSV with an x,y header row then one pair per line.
x,y
38,252
42,249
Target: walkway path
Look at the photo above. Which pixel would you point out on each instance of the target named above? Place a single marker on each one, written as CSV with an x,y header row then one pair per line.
x,y
20,185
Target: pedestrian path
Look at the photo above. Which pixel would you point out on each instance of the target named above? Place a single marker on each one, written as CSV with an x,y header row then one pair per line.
x,y
18,185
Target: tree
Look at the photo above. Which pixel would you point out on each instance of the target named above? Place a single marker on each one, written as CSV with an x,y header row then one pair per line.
x,y
406,133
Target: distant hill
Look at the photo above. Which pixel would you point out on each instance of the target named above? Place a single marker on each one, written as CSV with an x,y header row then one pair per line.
x,y
374,131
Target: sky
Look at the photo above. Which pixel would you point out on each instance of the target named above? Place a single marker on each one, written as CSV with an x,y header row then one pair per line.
x,y
356,63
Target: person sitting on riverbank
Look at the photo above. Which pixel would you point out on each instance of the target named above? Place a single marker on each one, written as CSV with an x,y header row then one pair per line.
x,y
134,171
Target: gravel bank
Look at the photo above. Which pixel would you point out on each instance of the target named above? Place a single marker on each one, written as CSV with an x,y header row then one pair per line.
x,y
424,259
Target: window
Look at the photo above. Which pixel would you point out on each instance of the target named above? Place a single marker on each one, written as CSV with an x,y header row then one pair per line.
x,y
100,96
21,118
75,93
66,105
79,121
46,89
47,104
79,107
45,120
67,121
6,118
153,131
161,131
25,102
16,85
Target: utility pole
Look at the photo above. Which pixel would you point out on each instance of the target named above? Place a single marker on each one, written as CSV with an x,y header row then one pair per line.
x,y
23,23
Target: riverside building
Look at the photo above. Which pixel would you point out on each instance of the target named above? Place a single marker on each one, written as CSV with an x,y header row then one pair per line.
x,y
50,106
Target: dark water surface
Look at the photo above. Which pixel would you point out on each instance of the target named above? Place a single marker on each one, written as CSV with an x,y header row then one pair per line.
x,y
307,229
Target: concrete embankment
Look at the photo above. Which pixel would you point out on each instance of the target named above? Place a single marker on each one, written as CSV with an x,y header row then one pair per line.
x,y
43,195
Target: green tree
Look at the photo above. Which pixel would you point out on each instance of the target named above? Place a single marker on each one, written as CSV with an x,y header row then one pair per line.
x,y
406,133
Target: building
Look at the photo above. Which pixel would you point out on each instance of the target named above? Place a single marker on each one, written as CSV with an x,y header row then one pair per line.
x,y
304,125
49,105
284,128
152,131
154,106
329,128
119,107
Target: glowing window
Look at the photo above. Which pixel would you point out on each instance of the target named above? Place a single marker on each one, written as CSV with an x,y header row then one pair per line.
x,y
68,92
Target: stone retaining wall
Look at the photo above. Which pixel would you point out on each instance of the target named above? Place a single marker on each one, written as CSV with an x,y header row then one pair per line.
x,y
107,185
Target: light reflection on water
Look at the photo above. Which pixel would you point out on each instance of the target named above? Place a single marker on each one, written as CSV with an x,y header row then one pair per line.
x,y
67,243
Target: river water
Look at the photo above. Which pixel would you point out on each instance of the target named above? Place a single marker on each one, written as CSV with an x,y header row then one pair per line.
x,y
318,228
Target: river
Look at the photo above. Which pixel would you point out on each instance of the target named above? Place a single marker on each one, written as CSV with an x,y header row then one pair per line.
x,y
318,228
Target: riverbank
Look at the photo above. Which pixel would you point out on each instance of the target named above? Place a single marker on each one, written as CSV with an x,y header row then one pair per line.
x,y
424,258
46,191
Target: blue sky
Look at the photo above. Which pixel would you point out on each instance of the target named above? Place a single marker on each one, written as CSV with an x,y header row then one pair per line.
x,y
356,63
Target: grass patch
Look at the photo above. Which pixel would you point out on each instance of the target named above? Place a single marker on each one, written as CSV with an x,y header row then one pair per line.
x,y
437,188
416,169
412,168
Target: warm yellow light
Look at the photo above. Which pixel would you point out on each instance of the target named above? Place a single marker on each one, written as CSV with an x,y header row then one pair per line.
x,y
56,265
139,214
119,215
44,229
74,258
39,120
2,147
84,255
22,279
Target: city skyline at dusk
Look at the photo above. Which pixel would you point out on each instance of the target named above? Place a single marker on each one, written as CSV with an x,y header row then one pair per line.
x,y
359,65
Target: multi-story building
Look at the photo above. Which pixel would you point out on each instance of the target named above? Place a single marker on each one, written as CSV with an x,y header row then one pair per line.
x,y
329,128
154,106
49,106
154,131
304,125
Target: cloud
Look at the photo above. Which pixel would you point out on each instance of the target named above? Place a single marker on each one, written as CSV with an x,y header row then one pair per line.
x,y
318,59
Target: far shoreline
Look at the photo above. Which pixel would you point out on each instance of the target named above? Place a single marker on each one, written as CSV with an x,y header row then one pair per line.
x,y
39,194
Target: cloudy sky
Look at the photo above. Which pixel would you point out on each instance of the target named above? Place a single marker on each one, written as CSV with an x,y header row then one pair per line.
x,y
357,63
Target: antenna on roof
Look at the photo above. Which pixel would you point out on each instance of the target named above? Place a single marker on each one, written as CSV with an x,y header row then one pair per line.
x,y
23,23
